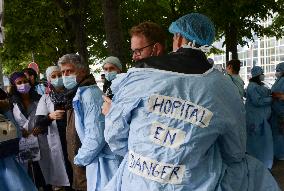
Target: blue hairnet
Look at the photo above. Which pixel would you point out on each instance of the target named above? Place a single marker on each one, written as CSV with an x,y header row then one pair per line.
x,y
280,67
196,27
256,71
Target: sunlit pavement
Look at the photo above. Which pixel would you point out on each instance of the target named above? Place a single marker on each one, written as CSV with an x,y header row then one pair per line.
x,y
278,172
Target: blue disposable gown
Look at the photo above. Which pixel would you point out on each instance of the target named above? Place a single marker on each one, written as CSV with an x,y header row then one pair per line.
x,y
181,132
94,153
259,134
238,82
276,117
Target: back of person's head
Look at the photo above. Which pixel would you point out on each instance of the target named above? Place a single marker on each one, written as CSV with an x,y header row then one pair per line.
x,y
152,32
280,67
31,72
74,59
235,65
194,27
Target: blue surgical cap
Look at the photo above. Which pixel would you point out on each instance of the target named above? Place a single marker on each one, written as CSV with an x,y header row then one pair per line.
x,y
256,71
280,67
195,27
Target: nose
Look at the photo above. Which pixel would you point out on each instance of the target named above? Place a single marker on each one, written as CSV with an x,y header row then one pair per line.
x,y
65,73
135,57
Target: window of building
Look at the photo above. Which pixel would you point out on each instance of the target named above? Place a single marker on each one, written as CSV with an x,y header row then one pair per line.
x,y
281,49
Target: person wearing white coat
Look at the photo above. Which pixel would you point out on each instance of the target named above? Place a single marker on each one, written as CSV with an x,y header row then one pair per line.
x,y
49,116
25,100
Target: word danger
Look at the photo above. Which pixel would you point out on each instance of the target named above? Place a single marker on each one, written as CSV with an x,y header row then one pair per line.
x,y
154,170
179,109
167,136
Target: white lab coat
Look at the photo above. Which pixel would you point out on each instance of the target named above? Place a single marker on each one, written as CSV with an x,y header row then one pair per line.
x,y
23,122
57,170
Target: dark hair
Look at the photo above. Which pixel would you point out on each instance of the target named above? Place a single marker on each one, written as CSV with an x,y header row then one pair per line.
x,y
30,72
152,31
256,79
236,65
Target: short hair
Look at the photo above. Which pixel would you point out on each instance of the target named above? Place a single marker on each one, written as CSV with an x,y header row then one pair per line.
x,y
74,59
30,72
236,65
152,31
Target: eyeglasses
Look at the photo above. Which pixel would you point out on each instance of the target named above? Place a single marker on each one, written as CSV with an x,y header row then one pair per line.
x,y
138,51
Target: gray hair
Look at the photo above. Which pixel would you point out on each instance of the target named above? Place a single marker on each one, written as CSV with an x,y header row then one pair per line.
x,y
74,59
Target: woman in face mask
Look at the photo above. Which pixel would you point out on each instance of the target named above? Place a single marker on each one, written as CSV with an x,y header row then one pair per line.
x,y
24,101
50,114
258,112
277,117
111,66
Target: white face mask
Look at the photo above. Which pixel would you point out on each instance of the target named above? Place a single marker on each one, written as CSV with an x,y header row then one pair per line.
x,y
261,77
278,74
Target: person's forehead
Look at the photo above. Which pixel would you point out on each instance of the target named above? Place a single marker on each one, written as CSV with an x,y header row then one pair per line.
x,y
67,66
20,79
56,72
109,65
138,41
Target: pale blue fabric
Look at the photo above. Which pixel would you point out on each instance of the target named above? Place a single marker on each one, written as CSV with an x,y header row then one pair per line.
x,y
191,27
259,134
40,89
238,82
13,177
276,116
256,71
12,174
213,156
94,153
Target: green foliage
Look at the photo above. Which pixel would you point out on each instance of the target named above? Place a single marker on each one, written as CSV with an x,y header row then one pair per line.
x,y
40,27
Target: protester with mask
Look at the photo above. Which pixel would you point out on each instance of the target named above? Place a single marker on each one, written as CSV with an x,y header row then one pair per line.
x,y
13,176
258,113
111,66
24,102
85,126
277,116
180,123
147,39
33,78
50,115
233,68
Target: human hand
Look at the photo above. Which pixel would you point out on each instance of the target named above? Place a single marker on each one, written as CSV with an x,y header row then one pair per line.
x,y
25,133
106,105
278,96
58,114
36,131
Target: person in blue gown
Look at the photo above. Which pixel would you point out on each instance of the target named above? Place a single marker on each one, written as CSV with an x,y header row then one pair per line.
x,y
258,113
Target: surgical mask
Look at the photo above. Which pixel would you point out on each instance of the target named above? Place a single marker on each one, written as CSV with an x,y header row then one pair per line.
x,y
69,81
24,88
110,75
261,77
57,82
278,74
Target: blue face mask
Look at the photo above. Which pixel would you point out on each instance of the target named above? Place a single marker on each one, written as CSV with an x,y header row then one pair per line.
x,y
110,75
69,81
57,82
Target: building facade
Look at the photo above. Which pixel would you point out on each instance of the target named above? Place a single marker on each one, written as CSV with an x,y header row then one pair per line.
x,y
266,52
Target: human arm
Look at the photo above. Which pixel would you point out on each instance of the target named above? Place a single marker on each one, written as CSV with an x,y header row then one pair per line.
x,y
257,97
92,122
